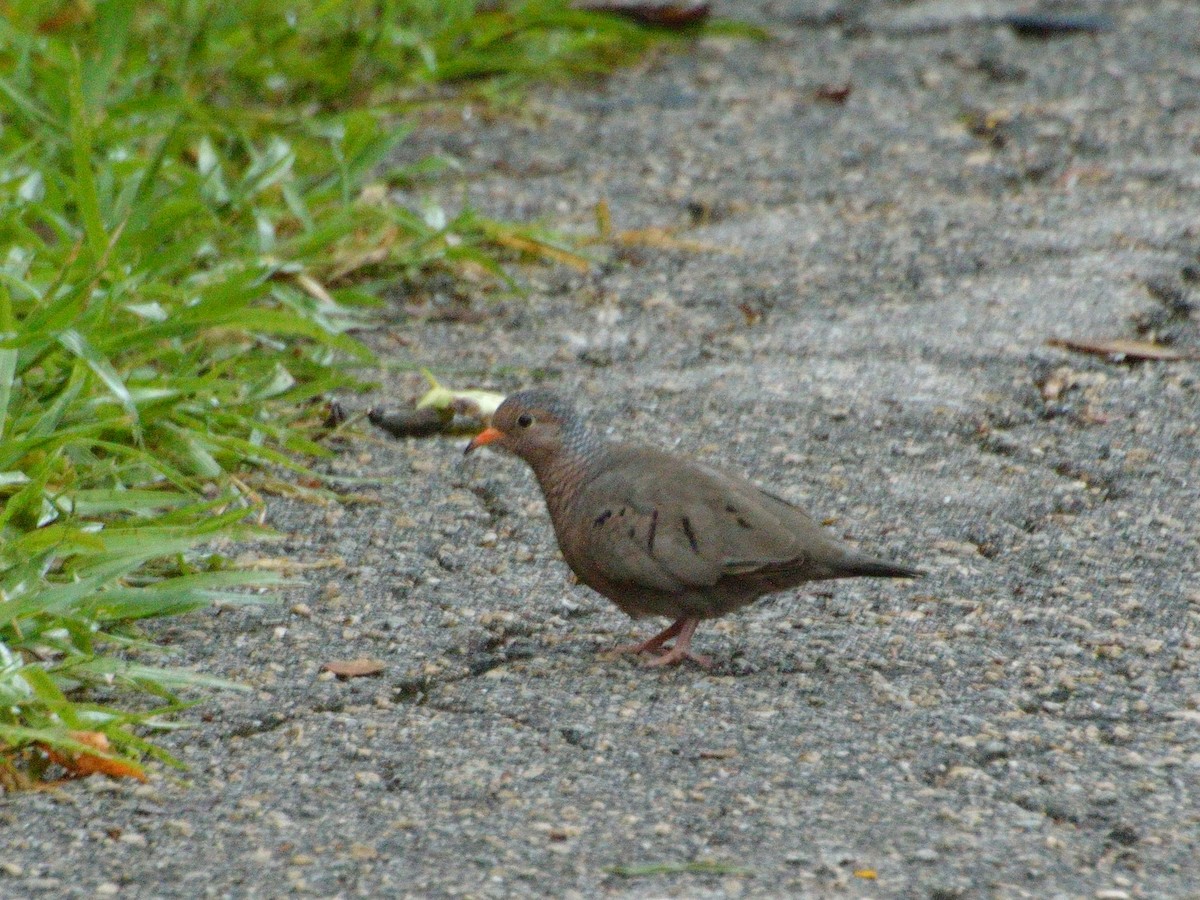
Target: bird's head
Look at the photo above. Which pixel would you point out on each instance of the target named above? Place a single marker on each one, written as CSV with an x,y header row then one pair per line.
x,y
534,425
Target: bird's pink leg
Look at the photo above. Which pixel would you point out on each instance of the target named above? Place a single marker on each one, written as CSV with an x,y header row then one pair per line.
x,y
654,643
681,649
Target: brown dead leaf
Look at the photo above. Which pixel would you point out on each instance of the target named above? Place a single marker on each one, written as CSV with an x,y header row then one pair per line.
x,y
603,220
314,288
70,15
457,313
544,250
367,252
247,491
1120,349
722,753
80,765
834,93
355,668
662,239
12,778
753,316
347,264
411,422
286,565
661,13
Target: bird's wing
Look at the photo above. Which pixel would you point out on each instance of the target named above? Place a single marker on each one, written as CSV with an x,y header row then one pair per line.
x,y
656,521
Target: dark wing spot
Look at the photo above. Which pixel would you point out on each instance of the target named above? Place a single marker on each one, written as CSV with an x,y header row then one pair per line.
x,y
776,497
602,518
770,567
653,528
622,512
743,522
730,508
632,531
691,535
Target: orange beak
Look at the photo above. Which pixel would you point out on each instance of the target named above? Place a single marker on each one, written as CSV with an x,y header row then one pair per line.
x,y
487,436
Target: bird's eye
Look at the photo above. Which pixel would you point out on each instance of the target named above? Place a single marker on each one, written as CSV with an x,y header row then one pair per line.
x,y
525,420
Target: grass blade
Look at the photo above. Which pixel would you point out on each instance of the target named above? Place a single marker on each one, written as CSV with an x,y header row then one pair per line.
x,y
85,180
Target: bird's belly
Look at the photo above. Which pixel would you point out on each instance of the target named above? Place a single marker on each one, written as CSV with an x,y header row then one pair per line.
x,y
635,601
639,600
702,603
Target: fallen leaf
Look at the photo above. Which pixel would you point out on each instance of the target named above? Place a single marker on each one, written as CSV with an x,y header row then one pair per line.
x,y
544,250
663,13
347,264
287,565
1049,24
834,93
480,404
13,779
1120,349
82,764
314,288
603,220
753,316
866,874
355,668
411,422
663,239
723,753
70,15
454,314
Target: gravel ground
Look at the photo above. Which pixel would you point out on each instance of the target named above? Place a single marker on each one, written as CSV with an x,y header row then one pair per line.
x,y
859,319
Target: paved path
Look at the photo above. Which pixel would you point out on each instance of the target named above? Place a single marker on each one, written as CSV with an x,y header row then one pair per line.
x,y
861,324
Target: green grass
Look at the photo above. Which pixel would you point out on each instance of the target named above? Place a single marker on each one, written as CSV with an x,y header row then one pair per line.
x,y
192,219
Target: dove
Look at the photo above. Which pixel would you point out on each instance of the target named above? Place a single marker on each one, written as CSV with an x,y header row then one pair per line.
x,y
663,535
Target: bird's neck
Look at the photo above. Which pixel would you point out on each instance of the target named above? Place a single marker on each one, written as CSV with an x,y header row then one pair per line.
x,y
564,475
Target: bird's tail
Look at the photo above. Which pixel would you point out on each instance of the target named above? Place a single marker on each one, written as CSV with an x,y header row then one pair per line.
x,y
862,566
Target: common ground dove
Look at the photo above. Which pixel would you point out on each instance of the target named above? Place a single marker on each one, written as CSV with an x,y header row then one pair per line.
x,y
661,535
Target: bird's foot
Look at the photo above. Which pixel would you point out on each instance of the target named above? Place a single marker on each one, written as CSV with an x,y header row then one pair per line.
x,y
682,630
677,655
650,644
